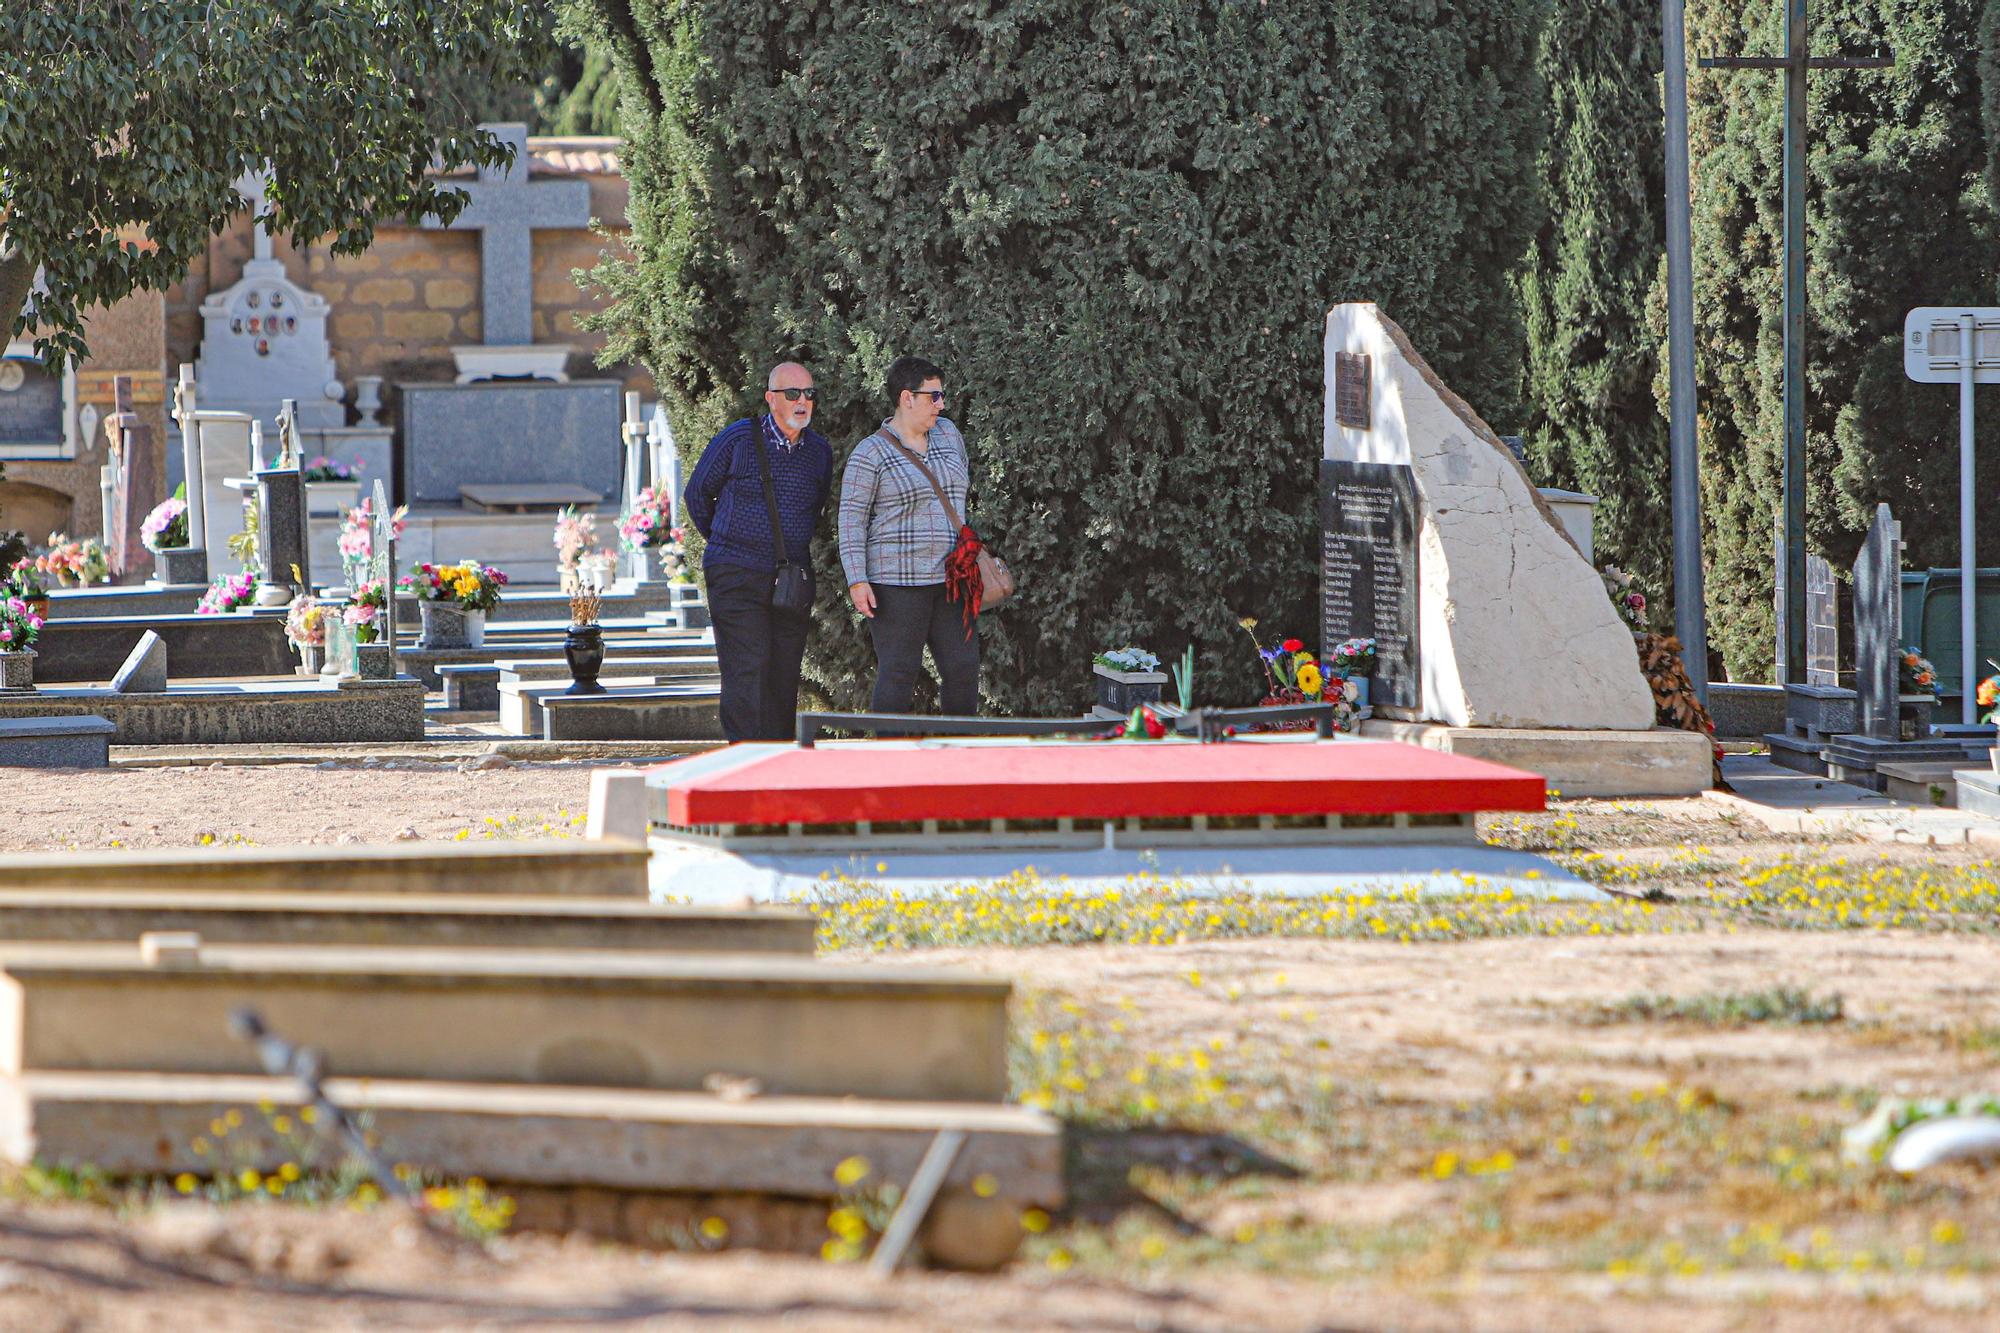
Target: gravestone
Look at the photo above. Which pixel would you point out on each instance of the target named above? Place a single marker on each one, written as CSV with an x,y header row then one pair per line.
x,y
1368,570
529,433
264,340
135,479
1513,625
282,555
1823,661
1878,626
1878,649
145,669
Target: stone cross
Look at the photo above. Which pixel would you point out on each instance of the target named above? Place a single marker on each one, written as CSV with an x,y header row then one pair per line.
x,y
186,396
1878,627
506,209
666,463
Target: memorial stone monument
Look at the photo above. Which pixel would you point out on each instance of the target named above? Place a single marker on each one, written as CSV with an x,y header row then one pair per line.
x,y
1485,611
513,419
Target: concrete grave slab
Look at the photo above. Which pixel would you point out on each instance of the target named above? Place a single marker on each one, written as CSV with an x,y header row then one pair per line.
x,y
1659,762
563,869
688,712
55,742
144,1123
600,1018
394,920
145,669
254,712
78,649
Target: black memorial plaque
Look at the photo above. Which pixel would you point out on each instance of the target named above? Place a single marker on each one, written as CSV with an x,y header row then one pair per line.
x,y
1368,570
1352,405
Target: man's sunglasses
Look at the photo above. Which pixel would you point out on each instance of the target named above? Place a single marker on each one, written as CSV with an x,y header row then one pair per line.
x,y
793,395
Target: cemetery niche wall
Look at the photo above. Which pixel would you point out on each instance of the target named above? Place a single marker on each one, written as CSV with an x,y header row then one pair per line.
x,y
1436,544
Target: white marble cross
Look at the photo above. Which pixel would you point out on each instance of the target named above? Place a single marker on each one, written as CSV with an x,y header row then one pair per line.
x,y
186,395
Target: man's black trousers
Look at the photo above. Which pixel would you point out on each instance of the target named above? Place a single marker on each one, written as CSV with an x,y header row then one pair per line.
x,y
759,650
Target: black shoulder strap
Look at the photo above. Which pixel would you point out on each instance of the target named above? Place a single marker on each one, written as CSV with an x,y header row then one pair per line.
x,y
784,557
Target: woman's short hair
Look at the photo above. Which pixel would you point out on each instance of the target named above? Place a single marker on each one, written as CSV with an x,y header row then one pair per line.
x,y
909,372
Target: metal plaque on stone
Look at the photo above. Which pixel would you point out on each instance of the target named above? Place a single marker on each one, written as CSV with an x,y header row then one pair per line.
x,y
1352,405
1368,570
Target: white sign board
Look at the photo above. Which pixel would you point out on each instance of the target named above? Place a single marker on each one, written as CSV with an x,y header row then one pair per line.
x,y
1931,338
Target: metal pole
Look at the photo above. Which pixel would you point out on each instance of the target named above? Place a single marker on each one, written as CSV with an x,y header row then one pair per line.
x,y
1968,548
1795,343
1690,609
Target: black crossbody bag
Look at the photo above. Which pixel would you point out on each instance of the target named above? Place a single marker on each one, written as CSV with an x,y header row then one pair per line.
x,y
792,586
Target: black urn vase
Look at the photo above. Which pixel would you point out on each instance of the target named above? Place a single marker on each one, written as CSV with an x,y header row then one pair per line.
x,y
583,649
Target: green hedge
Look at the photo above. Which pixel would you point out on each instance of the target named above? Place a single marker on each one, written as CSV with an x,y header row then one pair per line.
x,y
1118,227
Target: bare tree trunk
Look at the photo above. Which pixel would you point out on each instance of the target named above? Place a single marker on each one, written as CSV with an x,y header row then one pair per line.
x,y
17,279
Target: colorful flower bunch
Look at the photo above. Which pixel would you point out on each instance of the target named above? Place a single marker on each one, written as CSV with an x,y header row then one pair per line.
x,y
1128,659
226,594
74,562
1352,657
19,626
1989,699
167,526
473,586
322,468
648,524
305,622
1915,674
1292,675
365,611
357,530
24,580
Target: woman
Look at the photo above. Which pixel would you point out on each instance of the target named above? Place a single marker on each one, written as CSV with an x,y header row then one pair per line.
x,y
895,538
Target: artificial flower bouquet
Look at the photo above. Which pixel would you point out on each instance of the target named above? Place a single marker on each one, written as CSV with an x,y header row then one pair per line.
x,y
166,528
321,468
1292,675
366,610
1352,657
228,593
1915,674
357,530
575,535
1135,661
471,586
20,626
305,622
24,580
74,562
1626,597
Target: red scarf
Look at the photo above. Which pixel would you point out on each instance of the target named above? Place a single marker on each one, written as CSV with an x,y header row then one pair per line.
x,y
961,575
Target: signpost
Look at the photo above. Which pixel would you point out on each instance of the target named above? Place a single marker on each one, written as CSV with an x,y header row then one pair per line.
x,y
1960,345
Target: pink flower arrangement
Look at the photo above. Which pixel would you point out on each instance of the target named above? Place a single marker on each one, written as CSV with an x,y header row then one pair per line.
x,y
305,622
365,613
321,468
226,594
576,534
357,530
19,627
74,562
167,526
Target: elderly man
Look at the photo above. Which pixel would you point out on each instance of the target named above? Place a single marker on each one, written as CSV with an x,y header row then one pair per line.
x,y
774,460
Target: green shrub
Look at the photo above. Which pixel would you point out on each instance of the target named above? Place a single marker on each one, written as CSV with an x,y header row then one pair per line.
x,y
1118,227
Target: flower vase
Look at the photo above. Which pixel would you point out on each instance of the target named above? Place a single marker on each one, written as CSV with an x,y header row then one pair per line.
x,y
449,625
310,655
17,670
583,649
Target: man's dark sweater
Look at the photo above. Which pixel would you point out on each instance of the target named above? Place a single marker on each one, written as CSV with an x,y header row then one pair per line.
x,y
725,496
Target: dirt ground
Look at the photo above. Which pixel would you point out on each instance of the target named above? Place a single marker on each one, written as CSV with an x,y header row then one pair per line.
x,y
1638,1128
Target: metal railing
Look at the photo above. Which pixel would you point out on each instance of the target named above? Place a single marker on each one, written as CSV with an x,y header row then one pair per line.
x,y
1209,725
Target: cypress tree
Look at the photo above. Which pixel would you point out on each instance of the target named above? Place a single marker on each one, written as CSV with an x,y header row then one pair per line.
x,y
1118,227
1592,356
1898,215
